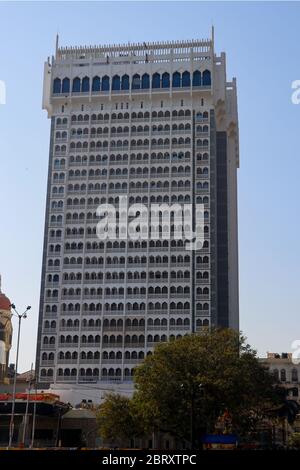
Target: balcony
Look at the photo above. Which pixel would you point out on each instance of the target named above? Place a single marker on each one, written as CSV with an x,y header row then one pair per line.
x,y
49,315
82,379
66,378
107,329
89,361
111,361
70,297
112,345
135,345
44,379
89,345
68,345
69,328
47,363
67,361
48,331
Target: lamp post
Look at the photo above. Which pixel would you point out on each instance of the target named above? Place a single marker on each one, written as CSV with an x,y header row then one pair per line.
x,y
193,390
30,382
11,425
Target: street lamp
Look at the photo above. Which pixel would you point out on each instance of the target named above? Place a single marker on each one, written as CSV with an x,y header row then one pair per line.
x,y
192,389
20,316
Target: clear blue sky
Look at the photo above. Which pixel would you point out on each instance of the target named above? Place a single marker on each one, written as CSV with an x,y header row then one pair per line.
x,y
262,45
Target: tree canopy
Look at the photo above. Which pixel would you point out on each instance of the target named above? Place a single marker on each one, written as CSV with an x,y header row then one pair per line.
x,y
117,419
195,384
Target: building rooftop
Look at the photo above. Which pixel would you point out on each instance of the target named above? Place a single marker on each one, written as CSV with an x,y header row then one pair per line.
x,y
4,301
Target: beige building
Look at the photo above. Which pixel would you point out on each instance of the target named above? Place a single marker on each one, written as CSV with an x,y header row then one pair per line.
x,y
5,336
284,369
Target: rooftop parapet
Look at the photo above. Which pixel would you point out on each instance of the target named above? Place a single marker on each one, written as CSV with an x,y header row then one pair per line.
x,y
135,49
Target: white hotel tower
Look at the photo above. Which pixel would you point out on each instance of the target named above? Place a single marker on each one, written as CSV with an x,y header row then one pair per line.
x,y
156,122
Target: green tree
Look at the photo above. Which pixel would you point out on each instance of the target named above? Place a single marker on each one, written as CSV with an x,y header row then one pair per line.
x,y
188,385
117,419
294,440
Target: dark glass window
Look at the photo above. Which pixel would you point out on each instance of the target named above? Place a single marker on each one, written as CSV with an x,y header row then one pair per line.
x,y
125,82
136,82
197,78
156,80
206,79
76,85
186,79
116,83
145,81
105,83
176,80
56,85
85,86
165,80
96,84
66,85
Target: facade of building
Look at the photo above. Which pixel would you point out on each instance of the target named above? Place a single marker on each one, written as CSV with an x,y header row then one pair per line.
x,y
5,336
285,371
156,123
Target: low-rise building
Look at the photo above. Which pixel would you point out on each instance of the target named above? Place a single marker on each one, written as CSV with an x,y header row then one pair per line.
x,y
285,371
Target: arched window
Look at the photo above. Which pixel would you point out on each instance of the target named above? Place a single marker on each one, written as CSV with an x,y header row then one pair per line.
x,y
283,375
136,82
56,85
96,84
125,82
176,80
156,80
294,375
197,78
206,79
76,85
105,83
186,79
165,82
145,81
85,85
116,83
66,85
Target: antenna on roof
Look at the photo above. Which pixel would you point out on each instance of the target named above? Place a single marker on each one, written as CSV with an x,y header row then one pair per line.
x,y
56,44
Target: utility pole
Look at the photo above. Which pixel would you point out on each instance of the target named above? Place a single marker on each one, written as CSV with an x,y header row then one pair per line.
x,y
12,424
27,405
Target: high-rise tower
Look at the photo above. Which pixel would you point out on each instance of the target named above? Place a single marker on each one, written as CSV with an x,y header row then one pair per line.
x,y
157,123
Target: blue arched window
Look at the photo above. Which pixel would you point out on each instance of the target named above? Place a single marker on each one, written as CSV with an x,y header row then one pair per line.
x,y
76,85
165,82
96,84
85,85
125,82
116,83
136,82
145,81
156,80
197,78
186,79
176,80
206,78
66,85
56,85
105,83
